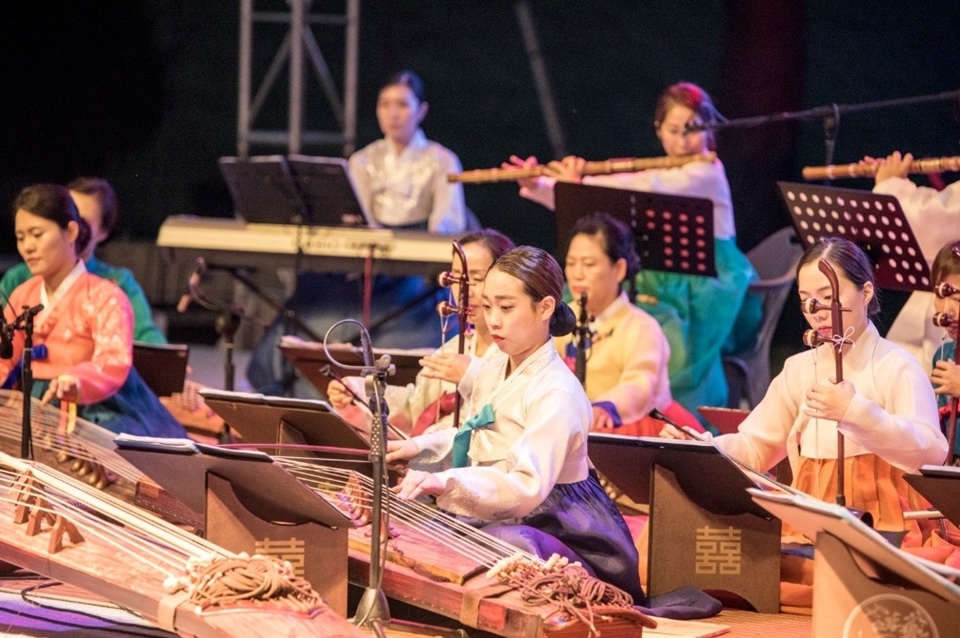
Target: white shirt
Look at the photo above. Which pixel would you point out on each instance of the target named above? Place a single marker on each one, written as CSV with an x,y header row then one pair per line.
x,y
538,439
410,187
893,413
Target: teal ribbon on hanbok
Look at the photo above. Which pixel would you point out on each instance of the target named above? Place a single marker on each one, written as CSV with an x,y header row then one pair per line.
x,y
461,440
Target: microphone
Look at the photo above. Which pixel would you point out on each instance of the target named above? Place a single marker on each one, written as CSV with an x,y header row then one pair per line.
x,y
193,283
32,312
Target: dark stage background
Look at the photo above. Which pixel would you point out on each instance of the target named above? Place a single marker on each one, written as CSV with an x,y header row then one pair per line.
x,y
143,92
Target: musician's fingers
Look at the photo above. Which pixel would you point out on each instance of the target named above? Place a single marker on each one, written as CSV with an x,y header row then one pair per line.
x,y
50,393
401,450
408,486
670,432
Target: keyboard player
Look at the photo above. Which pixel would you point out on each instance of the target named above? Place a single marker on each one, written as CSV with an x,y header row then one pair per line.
x,y
401,180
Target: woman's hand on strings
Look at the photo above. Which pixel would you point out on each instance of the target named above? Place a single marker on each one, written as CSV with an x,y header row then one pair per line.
x,y
518,162
829,400
416,484
569,169
65,388
946,378
338,395
448,366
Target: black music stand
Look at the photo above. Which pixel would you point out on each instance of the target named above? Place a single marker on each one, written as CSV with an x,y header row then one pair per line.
x,y
327,191
705,533
293,189
260,418
671,233
865,585
252,504
939,484
875,222
263,190
310,359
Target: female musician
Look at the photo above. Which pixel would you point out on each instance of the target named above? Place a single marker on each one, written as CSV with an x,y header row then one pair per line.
x,y
416,406
696,336
884,406
97,204
626,365
520,464
402,178
946,374
83,335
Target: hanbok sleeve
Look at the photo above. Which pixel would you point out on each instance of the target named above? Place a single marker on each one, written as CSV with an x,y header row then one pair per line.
x,y
111,321
361,180
553,431
645,357
761,440
449,213
905,432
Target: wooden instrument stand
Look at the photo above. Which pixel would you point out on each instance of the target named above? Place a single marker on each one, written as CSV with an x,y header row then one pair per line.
x,y
250,504
704,533
863,584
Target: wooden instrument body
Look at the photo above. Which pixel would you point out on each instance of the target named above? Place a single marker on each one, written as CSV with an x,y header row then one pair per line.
x,y
423,572
124,575
602,167
858,169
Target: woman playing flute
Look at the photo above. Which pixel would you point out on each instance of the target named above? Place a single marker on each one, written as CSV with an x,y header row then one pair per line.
x,y
696,337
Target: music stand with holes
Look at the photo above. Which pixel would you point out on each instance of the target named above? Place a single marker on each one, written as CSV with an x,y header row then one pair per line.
x,y
874,222
327,191
939,484
251,504
864,585
704,533
671,233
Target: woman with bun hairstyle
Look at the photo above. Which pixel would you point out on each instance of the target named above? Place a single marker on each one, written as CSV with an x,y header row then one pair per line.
x,y
519,464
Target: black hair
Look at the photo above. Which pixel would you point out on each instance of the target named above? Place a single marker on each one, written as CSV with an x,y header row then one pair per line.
x,y
541,277
53,203
848,257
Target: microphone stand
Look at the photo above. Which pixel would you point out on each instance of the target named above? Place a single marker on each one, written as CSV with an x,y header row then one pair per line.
x,y
26,377
373,609
829,114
